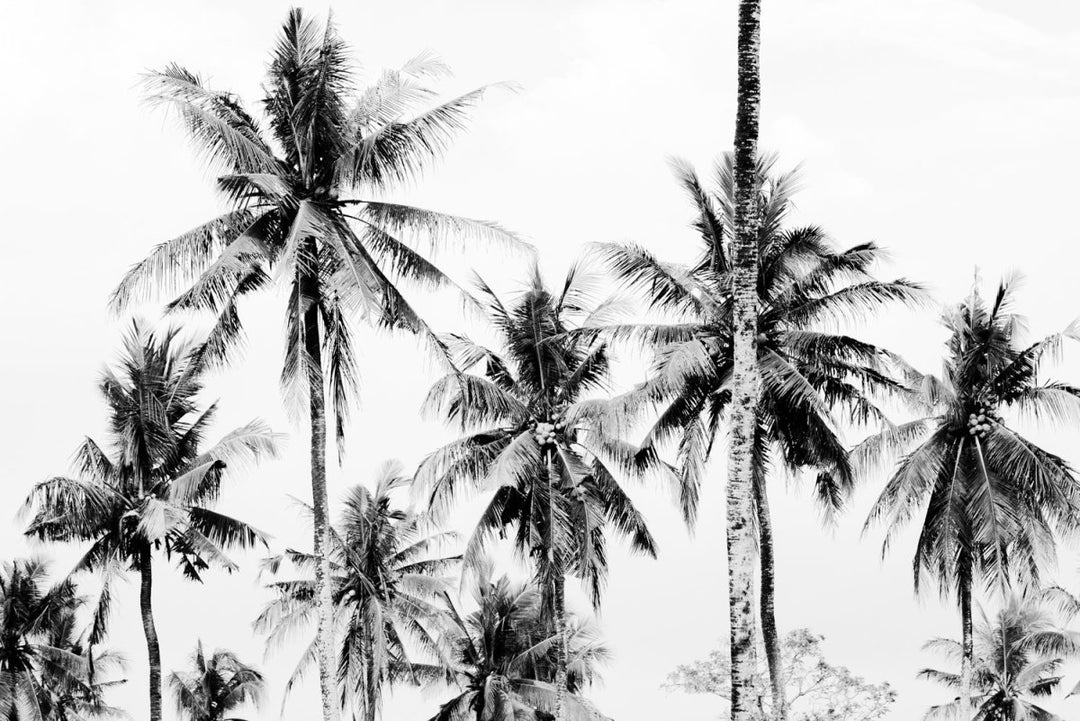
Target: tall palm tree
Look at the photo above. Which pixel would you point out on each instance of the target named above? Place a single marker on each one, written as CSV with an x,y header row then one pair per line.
x,y
991,499
745,382
48,670
154,492
502,656
1018,655
307,212
525,445
386,568
810,372
215,686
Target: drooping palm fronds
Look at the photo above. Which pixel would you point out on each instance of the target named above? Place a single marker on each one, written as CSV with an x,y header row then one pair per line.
x,y
813,378
307,184
49,670
152,488
1018,657
529,446
991,500
215,687
502,656
386,571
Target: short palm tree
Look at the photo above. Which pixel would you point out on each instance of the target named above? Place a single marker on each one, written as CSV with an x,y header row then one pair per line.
x,y
215,687
990,499
544,471
154,492
48,670
503,656
1017,662
809,371
308,213
386,568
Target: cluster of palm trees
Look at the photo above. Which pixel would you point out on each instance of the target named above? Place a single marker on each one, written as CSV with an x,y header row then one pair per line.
x,y
389,596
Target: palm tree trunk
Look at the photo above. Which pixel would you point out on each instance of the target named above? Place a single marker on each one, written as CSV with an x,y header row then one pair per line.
x,y
768,595
564,657
740,527
153,649
324,640
968,644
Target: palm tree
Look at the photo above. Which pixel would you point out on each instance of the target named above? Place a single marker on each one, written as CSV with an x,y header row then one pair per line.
x,y
48,672
306,213
808,369
990,498
502,656
215,686
745,381
385,571
525,444
155,491
1018,655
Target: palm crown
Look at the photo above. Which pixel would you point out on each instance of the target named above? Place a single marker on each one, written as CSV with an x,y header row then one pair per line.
x,y
1019,654
215,686
303,212
805,288
154,491
502,655
993,498
548,474
386,569
48,668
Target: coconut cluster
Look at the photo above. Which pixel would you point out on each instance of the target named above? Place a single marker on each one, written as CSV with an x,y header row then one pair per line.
x,y
547,431
980,419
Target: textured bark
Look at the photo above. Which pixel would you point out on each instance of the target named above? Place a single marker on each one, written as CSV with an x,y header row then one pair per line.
x,y
564,658
740,526
153,649
968,641
769,633
324,641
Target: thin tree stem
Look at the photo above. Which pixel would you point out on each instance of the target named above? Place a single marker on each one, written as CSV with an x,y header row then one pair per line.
x,y
769,632
153,649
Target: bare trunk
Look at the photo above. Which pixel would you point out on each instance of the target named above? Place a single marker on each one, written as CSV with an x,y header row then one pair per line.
x,y
966,660
769,633
740,527
153,649
324,641
564,658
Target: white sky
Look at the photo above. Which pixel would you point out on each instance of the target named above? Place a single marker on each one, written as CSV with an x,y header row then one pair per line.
x,y
944,129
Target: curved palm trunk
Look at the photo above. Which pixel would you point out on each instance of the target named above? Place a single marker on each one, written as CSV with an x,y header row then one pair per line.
x,y
324,640
153,649
968,644
768,595
740,527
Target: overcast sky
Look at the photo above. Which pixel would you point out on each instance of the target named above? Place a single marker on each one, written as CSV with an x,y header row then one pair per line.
x,y
943,129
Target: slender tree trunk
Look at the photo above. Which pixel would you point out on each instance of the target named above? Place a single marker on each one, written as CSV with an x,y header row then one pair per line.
x,y
324,641
968,644
564,657
740,527
153,649
769,633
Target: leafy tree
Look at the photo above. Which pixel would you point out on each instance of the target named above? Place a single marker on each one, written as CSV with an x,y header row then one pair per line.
x,y
307,212
990,499
154,492
215,686
48,670
503,656
814,689
809,371
1017,660
543,471
385,571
